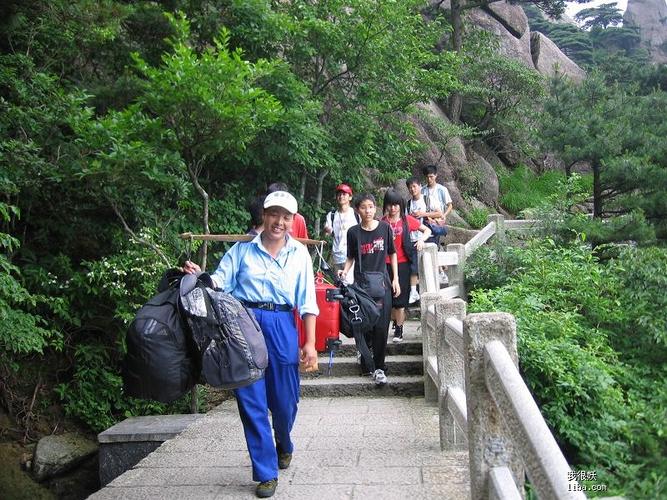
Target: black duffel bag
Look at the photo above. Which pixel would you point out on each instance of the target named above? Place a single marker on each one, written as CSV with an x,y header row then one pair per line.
x,y
230,342
159,363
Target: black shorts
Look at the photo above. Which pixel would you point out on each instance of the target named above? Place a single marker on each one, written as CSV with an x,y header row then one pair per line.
x,y
404,282
414,265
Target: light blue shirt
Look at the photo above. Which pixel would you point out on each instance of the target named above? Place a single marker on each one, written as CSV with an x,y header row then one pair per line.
x,y
437,198
250,273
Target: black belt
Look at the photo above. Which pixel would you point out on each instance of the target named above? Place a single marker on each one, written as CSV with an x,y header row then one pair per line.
x,y
268,306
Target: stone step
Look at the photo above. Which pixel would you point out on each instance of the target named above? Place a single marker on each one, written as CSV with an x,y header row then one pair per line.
x,y
362,386
404,364
409,346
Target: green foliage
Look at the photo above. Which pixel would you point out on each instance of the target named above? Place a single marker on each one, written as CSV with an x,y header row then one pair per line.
x,y
600,17
210,100
364,63
594,372
644,282
595,122
104,296
22,331
493,265
477,217
522,189
500,95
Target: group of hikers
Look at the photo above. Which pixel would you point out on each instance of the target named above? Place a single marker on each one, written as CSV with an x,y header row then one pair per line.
x,y
272,274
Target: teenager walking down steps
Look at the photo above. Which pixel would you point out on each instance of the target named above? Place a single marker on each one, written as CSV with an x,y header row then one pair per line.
x,y
369,245
402,225
272,274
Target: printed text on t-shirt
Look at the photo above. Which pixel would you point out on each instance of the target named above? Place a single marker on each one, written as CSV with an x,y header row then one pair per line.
x,y
376,246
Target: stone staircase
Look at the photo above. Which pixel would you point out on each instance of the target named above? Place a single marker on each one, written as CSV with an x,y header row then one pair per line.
x,y
404,370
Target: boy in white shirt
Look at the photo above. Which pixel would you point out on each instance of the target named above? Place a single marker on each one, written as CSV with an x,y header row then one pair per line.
x,y
337,222
438,205
416,206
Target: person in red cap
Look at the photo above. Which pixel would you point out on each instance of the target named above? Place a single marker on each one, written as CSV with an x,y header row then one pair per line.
x,y
337,222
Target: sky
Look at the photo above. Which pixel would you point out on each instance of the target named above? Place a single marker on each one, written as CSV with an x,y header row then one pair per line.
x,y
573,7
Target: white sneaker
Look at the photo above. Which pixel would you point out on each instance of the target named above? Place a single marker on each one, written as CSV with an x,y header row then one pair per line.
x,y
444,280
414,296
358,358
379,377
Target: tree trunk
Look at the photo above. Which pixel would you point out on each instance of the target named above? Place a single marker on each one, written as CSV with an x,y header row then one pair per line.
x,y
318,199
203,250
456,100
597,190
302,187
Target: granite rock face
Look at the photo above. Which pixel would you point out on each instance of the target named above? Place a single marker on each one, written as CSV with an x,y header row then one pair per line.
x,y
549,59
650,16
511,46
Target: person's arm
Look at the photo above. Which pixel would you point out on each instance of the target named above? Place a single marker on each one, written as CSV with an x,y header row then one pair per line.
x,y
351,253
349,262
308,358
426,234
328,223
446,201
449,209
224,276
395,286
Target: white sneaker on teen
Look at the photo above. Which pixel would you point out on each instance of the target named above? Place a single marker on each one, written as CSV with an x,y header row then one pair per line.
x,y
379,377
414,296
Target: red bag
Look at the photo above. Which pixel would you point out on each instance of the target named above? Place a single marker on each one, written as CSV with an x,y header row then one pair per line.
x,y
327,325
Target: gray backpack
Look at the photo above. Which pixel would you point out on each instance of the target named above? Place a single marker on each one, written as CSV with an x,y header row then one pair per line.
x,y
231,346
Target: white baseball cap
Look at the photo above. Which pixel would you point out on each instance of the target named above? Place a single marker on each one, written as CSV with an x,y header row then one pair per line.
x,y
281,199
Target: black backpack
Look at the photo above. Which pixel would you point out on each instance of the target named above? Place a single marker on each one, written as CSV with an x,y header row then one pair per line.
x,y
230,343
158,364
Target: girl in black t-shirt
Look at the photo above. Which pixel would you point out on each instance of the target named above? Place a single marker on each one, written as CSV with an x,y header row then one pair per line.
x,y
369,244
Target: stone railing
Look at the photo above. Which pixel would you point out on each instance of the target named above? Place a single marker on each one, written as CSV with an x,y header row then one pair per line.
x,y
470,369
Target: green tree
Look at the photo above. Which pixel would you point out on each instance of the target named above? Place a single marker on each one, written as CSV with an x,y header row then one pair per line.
x,y
600,17
210,102
597,123
364,64
501,96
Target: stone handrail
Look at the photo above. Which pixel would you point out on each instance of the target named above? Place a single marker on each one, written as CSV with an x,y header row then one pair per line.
x,y
470,369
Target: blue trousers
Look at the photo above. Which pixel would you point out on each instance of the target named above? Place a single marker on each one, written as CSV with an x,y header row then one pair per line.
x,y
278,392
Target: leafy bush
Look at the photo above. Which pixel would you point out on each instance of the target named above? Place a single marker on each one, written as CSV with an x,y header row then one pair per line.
x,y
594,363
477,217
492,265
21,330
522,189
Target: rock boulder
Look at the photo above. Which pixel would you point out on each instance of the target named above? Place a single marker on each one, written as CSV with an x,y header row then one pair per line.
x,y
549,59
650,16
517,48
59,453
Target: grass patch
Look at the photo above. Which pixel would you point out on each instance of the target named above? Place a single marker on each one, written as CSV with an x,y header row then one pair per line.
x,y
522,188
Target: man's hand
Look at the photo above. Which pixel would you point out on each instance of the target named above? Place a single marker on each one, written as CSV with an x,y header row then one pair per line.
x,y
190,267
308,359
